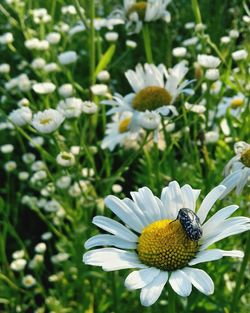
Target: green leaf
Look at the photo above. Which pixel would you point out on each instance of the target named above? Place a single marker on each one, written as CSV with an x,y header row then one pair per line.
x,y
105,59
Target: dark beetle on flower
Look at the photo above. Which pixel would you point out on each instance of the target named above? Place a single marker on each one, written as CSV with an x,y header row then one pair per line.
x,y
191,223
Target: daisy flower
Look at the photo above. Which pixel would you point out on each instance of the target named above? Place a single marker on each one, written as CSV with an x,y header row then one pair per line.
x,y
47,121
235,105
154,89
237,170
120,130
164,239
135,13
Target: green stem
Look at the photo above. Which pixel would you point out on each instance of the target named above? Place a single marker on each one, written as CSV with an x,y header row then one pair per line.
x,y
147,43
92,42
81,15
244,263
196,10
171,300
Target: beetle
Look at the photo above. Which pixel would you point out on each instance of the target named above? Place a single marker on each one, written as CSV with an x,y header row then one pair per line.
x,y
191,223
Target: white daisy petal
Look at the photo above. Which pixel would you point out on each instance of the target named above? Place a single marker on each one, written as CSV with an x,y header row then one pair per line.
x,y
109,240
124,212
150,293
114,228
180,283
112,259
209,201
212,227
136,210
230,182
200,279
189,196
206,256
141,278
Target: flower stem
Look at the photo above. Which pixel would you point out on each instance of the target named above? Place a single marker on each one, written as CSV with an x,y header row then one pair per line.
x,y
236,295
171,301
92,42
147,43
196,10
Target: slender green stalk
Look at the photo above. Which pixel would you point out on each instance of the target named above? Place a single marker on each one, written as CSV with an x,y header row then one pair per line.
x,y
196,10
147,43
81,15
92,42
244,263
171,300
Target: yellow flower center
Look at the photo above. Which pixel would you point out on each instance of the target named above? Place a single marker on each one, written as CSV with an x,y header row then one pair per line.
x,y
124,125
151,98
165,245
245,157
65,156
140,8
236,103
45,121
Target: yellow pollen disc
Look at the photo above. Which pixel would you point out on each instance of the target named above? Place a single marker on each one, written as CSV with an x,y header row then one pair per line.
x,y
236,103
165,245
151,98
124,125
45,121
245,157
66,157
139,8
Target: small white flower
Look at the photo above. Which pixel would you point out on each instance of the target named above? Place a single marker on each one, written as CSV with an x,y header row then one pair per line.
x,y
179,52
53,38
6,38
63,182
212,74
225,40
44,88
234,33
40,247
51,67
6,149
38,63
47,121
75,150
28,281
23,176
21,117
60,257
46,236
239,55
103,76
18,265
19,254
66,90
10,166
4,68
149,120
116,188
211,136
67,57
208,61
70,107
111,36
89,107
99,89
131,44
65,159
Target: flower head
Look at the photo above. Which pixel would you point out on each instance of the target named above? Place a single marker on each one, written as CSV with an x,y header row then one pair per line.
x,y
164,238
237,170
47,121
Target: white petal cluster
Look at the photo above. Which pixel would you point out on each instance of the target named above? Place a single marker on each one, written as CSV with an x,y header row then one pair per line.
x,y
21,117
47,121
